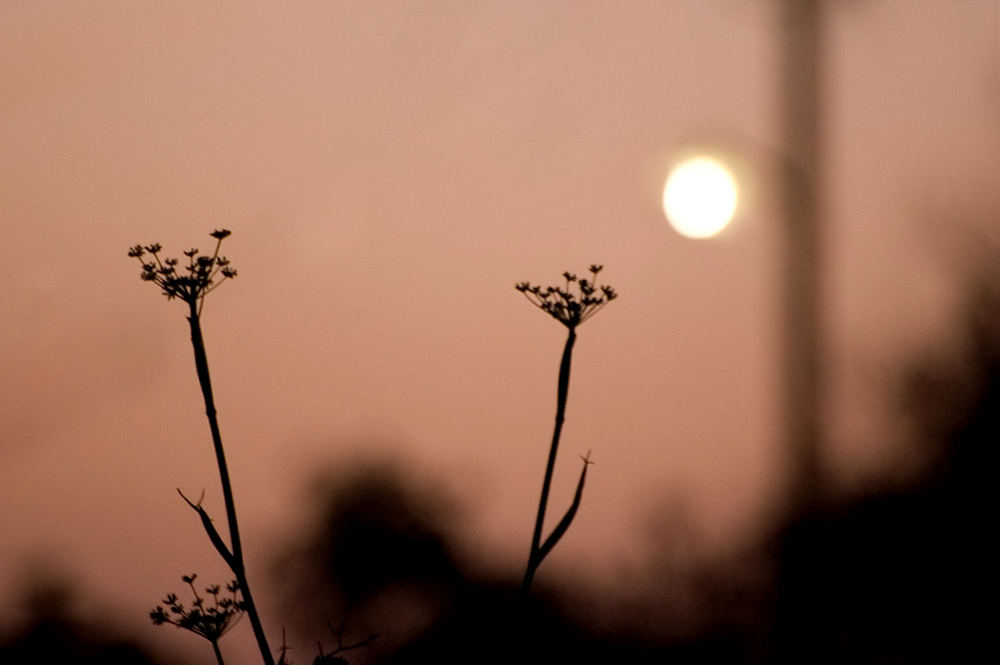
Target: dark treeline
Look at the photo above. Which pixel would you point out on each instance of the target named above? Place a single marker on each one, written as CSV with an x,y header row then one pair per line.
x,y
54,632
905,574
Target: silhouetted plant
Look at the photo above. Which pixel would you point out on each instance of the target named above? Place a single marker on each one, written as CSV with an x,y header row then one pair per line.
x,y
333,658
571,310
191,283
209,620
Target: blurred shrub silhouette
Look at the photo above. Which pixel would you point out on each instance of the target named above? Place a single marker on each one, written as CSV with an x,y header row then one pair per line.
x,y
901,576
375,553
53,632
382,553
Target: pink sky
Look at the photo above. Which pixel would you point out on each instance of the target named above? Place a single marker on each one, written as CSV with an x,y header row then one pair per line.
x,y
389,171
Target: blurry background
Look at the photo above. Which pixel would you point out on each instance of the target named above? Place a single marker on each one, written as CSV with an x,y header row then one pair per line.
x,y
390,171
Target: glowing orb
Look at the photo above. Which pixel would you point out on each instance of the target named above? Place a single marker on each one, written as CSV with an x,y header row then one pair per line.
x,y
699,197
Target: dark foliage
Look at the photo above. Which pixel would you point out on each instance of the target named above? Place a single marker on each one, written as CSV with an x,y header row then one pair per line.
x,y
53,640
905,576
381,551
54,634
374,544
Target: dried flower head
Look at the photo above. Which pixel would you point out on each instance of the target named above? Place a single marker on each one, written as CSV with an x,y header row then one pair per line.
x,y
571,309
211,619
202,274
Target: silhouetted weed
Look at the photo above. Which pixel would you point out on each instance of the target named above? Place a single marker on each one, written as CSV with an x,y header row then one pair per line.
x,y
209,620
191,283
571,310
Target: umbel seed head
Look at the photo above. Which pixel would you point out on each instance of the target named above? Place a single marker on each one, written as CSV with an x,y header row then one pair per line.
x,y
209,616
191,283
570,309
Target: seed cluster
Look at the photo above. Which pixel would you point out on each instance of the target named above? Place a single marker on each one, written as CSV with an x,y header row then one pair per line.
x,y
210,621
569,308
192,282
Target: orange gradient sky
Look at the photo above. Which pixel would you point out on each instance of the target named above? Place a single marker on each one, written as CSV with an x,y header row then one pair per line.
x,y
390,170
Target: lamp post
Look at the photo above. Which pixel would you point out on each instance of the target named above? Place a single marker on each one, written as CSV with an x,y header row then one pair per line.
x,y
800,60
697,203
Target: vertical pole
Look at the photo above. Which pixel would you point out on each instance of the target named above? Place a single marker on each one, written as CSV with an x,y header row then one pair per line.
x,y
800,90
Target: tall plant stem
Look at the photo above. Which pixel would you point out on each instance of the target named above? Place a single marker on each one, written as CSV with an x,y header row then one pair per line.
x,y
235,558
218,652
536,554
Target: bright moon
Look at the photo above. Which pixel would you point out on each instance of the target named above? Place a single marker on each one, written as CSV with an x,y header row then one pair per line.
x,y
699,197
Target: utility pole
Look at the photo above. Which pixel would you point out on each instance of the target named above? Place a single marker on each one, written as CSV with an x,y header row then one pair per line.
x,y
800,89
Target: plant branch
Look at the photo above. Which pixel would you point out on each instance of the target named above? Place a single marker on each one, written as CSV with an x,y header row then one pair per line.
x,y
213,534
535,556
218,652
564,523
235,559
